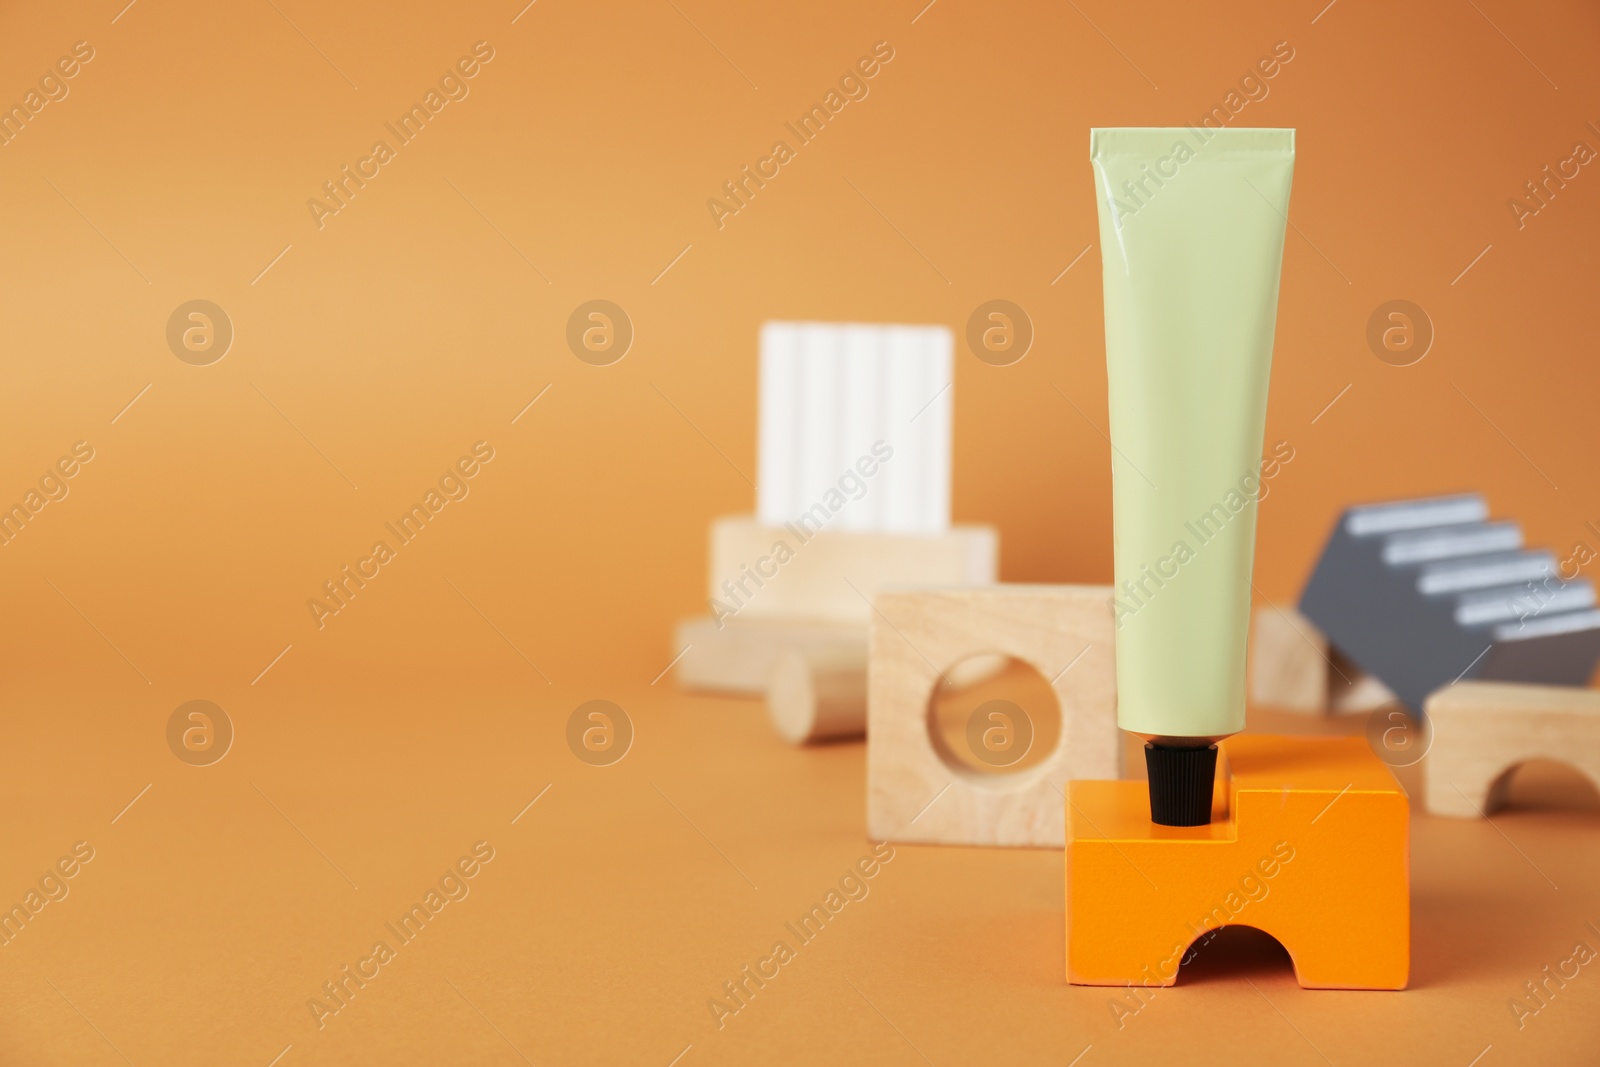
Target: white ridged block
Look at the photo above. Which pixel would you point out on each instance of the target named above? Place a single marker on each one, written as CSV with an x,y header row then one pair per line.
x,y
829,392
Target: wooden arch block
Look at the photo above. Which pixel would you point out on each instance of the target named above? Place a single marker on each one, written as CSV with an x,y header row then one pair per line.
x,y
1482,731
917,636
1309,843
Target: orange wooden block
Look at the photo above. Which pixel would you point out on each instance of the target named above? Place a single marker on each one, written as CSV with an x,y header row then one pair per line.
x,y
1309,843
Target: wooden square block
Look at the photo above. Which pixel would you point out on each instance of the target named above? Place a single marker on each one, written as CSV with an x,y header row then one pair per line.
x,y
1311,845
917,636
795,571
1483,731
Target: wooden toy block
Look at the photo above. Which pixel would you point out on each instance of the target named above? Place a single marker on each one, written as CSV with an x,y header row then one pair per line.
x,y
800,570
819,693
914,794
1288,661
1294,668
738,656
1309,843
1352,690
1483,731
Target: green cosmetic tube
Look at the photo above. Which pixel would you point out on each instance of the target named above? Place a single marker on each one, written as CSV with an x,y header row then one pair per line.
x,y
1191,242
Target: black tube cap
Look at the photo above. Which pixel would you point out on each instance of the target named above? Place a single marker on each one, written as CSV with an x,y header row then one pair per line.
x,y
1181,783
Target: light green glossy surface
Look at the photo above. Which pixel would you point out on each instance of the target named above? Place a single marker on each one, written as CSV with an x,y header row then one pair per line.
x,y
1192,256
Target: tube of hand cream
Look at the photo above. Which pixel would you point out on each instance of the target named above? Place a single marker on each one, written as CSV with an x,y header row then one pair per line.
x,y
1191,240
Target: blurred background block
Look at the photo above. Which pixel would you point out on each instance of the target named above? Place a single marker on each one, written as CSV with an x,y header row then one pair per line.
x,y
1294,668
819,693
1422,593
738,656
833,574
829,394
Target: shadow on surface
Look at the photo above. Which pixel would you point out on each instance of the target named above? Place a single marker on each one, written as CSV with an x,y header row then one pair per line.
x,y
1545,785
1232,953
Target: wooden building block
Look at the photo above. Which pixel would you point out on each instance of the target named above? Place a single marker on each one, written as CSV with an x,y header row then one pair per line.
x,y
800,571
1352,690
917,636
1310,845
819,693
1482,731
1293,668
1288,661
738,656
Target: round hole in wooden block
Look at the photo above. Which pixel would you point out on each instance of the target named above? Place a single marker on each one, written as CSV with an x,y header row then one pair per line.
x,y
992,716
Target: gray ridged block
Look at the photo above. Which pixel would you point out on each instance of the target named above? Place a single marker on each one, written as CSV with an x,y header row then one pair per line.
x,y
1421,593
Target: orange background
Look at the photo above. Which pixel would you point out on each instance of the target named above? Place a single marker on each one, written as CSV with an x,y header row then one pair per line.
x,y
429,312
407,328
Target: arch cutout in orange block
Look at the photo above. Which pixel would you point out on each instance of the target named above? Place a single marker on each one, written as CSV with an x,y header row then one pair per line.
x,y
1309,843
